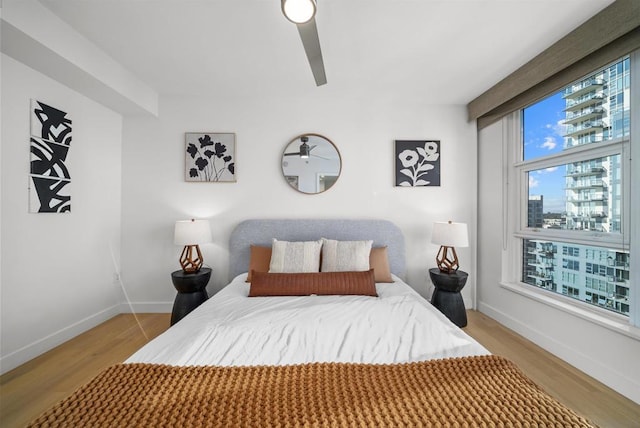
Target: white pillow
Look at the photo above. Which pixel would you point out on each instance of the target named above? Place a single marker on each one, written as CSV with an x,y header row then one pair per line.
x,y
342,256
293,257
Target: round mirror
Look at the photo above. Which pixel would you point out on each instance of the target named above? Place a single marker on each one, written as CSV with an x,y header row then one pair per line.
x,y
311,163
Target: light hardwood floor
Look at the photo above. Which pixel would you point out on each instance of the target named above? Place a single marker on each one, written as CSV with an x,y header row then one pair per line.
x,y
585,395
30,389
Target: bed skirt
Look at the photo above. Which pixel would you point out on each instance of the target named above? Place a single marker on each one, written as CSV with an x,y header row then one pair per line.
x,y
471,391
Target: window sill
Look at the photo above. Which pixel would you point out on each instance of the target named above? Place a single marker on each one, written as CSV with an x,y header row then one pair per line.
x,y
613,322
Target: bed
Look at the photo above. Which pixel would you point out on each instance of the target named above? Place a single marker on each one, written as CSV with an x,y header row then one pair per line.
x,y
312,360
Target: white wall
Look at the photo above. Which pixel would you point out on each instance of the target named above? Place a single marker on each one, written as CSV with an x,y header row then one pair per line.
x,y
362,123
606,355
35,36
57,275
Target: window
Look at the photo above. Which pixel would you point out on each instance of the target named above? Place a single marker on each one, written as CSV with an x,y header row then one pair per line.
x,y
572,168
571,251
570,264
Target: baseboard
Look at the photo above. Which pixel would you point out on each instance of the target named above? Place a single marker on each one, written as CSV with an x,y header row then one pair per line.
x,y
594,368
146,307
40,346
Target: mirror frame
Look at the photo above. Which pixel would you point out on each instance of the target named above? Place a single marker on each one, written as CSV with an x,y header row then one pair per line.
x,y
298,137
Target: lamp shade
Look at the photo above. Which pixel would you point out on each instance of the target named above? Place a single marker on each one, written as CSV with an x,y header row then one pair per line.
x,y
450,234
299,11
192,232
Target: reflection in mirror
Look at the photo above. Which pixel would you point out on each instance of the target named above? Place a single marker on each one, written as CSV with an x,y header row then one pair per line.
x,y
311,163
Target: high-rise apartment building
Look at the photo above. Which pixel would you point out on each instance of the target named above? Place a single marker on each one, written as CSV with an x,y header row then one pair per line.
x,y
596,109
595,275
535,211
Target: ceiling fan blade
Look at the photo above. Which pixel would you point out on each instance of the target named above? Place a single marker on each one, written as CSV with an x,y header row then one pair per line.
x,y
311,42
292,154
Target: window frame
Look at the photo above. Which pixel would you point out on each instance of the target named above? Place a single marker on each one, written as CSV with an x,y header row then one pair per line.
x,y
614,240
515,213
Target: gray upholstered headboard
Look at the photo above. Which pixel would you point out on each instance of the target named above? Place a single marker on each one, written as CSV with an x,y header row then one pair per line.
x,y
262,231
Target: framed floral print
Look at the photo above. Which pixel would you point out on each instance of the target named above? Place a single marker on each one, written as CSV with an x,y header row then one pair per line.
x,y
210,156
417,163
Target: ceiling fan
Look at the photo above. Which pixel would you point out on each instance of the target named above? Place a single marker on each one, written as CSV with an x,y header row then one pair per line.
x,y
302,13
305,150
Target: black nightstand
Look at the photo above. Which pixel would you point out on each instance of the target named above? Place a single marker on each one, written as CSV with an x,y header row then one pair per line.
x,y
446,297
192,292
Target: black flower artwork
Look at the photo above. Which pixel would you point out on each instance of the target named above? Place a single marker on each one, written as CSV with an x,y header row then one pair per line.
x,y
417,163
210,157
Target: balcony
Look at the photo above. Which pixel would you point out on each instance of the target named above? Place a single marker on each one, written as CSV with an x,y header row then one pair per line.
x,y
583,202
540,281
541,265
583,87
575,105
586,184
577,172
587,215
584,128
618,264
589,113
536,252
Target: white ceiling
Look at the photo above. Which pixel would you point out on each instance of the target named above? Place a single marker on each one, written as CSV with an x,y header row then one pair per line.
x,y
446,51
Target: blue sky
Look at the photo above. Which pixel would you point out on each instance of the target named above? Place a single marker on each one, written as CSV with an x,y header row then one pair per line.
x,y
543,136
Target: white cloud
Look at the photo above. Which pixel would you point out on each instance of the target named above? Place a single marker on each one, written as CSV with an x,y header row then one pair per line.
x,y
549,143
533,182
560,128
546,170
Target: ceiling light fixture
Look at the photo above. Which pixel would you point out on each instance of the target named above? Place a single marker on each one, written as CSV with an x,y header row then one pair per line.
x,y
299,11
304,147
304,150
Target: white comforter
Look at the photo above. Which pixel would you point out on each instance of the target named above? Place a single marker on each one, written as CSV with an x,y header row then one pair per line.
x,y
231,329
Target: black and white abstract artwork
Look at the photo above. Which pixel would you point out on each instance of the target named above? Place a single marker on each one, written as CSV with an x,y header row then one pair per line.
x,y
49,175
417,163
210,157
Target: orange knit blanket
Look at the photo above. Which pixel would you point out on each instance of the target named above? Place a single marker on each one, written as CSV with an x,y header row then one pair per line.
x,y
487,391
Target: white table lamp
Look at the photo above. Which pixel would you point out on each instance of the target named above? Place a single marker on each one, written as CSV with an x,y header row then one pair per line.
x,y
191,233
449,235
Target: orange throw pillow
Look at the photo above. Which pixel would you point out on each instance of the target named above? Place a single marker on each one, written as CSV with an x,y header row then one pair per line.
x,y
259,260
379,262
308,283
